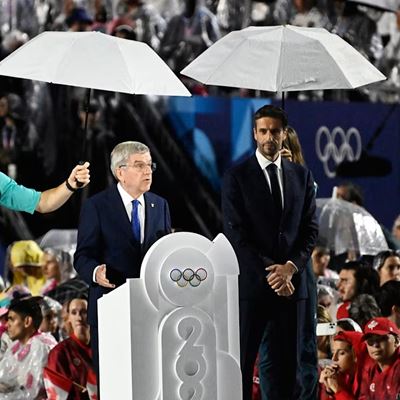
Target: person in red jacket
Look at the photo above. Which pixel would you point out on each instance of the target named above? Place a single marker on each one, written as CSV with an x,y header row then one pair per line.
x,y
341,379
382,379
69,368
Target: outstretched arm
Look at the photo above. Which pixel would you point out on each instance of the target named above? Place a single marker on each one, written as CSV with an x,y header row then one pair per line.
x,y
53,199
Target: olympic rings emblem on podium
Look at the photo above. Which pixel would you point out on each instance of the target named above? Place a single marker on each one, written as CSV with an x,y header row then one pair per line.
x,y
188,276
338,147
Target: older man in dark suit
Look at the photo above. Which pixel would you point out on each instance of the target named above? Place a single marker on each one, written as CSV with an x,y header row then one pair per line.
x,y
269,217
117,226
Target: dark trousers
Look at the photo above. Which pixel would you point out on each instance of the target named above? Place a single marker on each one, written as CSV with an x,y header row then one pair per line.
x,y
270,329
307,371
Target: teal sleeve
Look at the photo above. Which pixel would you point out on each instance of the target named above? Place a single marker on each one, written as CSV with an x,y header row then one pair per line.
x,y
17,197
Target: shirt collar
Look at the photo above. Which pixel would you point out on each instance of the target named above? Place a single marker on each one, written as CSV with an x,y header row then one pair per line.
x,y
126,197
263,162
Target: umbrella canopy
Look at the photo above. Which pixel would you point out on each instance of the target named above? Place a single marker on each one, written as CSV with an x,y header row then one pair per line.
x,y
283,58
60,239
344,226
383,5
93,60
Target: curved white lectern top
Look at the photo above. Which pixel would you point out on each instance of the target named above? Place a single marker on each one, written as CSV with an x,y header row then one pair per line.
x,y
173,334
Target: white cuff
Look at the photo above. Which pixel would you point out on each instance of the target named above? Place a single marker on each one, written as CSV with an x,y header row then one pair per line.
x,y
94,273
294,265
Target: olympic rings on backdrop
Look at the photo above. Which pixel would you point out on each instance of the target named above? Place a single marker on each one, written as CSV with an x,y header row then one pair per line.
x,y
188,276
337,152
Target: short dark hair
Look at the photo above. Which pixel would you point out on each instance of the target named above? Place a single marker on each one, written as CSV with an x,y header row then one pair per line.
x,y
28,308
388,296
363,308
350,265
348,324
271,112
367,279
321,251
354,193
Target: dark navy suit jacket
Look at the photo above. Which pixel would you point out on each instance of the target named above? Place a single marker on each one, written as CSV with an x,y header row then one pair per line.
x,y
248,214
105,237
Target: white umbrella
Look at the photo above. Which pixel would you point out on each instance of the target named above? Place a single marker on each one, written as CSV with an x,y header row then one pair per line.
x,y
282,58
384,5
344,226
93,60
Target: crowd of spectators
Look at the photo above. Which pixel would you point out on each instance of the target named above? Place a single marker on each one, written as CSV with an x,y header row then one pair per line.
x,y
38,119
44,334
358,327
179,30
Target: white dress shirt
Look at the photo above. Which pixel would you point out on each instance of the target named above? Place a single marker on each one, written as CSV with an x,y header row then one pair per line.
x,y
127,200
264,164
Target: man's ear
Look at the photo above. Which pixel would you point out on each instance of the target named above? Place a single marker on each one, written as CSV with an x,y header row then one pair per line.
x,y
118,174
28,321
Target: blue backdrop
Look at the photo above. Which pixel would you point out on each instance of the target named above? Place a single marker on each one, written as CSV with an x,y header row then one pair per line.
x,y
217,133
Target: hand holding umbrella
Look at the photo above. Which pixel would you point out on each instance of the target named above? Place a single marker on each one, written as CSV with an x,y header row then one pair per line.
x,y
93,60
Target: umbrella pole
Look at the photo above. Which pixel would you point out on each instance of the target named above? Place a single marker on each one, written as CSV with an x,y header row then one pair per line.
x,y
83,151
283,101
87,105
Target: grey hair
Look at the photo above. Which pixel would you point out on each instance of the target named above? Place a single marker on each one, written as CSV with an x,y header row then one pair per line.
x,y
122,151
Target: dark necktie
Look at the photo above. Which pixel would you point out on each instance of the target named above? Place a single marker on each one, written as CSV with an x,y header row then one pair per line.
x,y
272,170
135,220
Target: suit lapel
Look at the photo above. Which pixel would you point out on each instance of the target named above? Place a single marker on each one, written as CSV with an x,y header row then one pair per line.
x,y
288,181
119,210
150,212
256,175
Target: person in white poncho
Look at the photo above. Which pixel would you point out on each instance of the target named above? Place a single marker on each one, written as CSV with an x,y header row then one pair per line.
x,y
21,369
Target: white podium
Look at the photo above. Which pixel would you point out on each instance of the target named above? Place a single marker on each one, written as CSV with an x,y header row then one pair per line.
x,y
173,334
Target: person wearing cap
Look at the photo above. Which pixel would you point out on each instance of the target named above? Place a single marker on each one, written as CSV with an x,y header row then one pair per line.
x,y
387,263
341,379
381,380
19,198
25,259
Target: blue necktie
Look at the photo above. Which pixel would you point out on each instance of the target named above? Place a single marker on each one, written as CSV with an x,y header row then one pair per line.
x,y
135,220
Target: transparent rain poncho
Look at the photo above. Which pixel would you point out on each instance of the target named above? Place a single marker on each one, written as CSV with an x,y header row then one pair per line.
x,y
21,369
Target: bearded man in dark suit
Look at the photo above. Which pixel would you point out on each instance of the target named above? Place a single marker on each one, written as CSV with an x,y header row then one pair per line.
x,y
269,217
